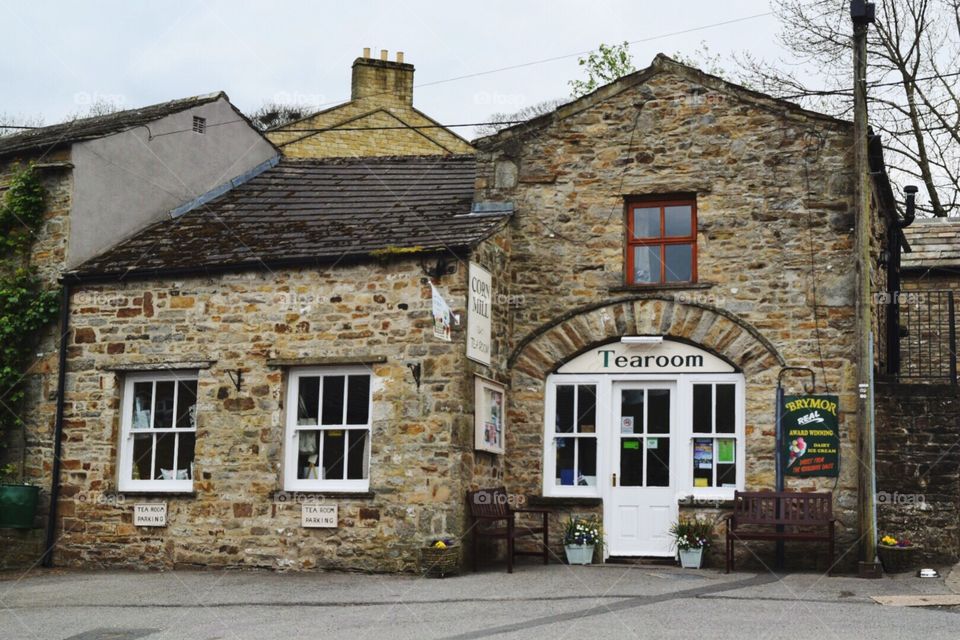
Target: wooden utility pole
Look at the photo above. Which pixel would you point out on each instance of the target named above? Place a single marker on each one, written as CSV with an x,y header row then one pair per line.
x,y
862,14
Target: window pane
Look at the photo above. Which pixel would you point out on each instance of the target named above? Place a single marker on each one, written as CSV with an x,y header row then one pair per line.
x,y
308,400
142,400
677,220
726,408
358,399
332,400
726,462
164,405
646,264
646,222
588,462
658,462
163,466
631,411
185,447
703,408
564,455
333,454
679,259
587,408
703,462
658,415
565,408
187,404
357,454
631,462
142,456
308,443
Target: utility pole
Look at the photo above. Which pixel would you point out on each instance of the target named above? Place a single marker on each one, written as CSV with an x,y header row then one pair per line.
x,y
862,13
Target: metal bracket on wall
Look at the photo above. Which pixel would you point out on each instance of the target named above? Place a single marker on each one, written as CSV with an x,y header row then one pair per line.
x,y
236,380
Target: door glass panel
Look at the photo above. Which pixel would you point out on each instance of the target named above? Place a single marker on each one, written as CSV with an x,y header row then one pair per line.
x,y
631,462
658,415
658,462
703,462
702,408
564,455
726,408
679,259
646,222
586,408
631,411
676,220
646,263
565,408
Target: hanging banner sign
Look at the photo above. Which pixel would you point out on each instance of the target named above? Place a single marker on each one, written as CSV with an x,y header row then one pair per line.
x,y
479,312
442,316
811,439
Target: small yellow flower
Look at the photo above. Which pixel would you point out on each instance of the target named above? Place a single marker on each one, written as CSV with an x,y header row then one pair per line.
x,y
439,545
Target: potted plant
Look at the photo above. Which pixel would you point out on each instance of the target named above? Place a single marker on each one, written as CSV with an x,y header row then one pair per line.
x,y
691,536
897,555
440,558
580,538
18,501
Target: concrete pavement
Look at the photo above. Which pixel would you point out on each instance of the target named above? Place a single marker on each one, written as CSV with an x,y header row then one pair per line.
x,y
558,601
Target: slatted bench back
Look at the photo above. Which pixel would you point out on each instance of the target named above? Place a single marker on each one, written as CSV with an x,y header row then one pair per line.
x,y
488,503
786,508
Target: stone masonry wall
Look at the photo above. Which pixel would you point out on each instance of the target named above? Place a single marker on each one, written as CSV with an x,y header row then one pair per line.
x,y
918,467
238,322
775,238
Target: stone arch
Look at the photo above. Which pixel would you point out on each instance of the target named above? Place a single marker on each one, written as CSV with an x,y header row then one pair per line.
x,y
711,328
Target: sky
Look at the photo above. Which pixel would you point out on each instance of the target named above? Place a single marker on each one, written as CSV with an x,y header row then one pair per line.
x,y
60,56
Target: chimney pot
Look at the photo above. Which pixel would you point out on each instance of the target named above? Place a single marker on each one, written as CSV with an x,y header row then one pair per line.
x,y
400,57
366,52
383,54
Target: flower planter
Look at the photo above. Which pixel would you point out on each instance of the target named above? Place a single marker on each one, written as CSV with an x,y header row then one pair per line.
x,y
440,562
579,553
18,505
691,558
897,559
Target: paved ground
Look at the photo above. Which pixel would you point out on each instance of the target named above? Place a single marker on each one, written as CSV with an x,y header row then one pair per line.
x,y
556,602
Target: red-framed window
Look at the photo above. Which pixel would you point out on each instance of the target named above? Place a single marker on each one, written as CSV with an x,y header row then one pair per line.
x,y
661,241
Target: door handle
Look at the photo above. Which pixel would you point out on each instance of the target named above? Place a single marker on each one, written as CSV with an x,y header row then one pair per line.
x,y
613,480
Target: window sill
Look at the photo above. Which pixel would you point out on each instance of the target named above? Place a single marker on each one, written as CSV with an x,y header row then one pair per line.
x,y
709,500
291,496
139,493
561,501
669,286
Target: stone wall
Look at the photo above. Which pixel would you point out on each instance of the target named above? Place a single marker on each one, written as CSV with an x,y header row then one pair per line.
x,y
918,466
774,194
238,515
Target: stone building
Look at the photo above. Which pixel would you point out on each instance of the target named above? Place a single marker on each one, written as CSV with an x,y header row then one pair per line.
x,y
379,119
593,312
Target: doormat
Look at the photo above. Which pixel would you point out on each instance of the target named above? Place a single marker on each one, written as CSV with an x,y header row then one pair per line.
x,y
933,600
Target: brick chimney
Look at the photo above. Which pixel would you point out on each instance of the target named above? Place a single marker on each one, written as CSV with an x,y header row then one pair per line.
x,y
382,80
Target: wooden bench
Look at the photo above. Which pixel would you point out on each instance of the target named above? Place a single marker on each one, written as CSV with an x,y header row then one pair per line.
x,y
493,517
787,515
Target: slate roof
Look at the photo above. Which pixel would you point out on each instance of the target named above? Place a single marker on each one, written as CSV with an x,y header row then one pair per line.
x,y
98,126
934,243
315,211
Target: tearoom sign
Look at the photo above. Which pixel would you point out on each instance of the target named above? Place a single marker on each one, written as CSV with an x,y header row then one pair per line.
x,y
811,440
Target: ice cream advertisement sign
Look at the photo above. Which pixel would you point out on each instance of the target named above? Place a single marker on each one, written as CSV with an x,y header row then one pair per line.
x,y
811,441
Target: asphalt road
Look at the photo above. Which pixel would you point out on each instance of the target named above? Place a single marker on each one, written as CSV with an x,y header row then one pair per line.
x,y
556,602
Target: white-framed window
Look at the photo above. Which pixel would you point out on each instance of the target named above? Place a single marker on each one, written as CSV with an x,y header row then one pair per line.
x,y
571,446
715,453
328,418
158,431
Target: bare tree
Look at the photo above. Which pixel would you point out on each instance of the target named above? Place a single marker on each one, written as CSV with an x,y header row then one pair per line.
x,y
10,124
272,115
913,82
497,121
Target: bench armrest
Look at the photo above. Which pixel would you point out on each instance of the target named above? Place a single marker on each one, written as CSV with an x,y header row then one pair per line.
x,y
532,510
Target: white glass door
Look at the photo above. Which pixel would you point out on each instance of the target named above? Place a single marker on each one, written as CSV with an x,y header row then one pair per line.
x,y
642,499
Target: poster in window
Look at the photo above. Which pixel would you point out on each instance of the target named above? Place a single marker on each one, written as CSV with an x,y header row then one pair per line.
x,y
703,453
811,442
489,415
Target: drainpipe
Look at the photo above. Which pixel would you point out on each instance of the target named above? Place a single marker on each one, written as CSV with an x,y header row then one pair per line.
x,y
58,426
893,278
862,14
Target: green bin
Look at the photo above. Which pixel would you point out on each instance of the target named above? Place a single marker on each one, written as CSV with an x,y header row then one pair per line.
x,y
18,505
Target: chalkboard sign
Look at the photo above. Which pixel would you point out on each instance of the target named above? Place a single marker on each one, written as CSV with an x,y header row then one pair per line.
x,y
811,440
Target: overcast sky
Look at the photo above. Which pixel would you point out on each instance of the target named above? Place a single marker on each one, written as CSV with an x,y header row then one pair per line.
x,y
59,56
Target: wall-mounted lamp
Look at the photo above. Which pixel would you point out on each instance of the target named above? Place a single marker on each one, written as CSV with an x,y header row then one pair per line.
x,y
645,340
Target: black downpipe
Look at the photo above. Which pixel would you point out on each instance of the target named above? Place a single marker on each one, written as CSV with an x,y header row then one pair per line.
x,y
58,427
894,234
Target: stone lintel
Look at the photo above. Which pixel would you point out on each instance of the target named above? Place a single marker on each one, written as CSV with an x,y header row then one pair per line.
x,y
156,366
308,362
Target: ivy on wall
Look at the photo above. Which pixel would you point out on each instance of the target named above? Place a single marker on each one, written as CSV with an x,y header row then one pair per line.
x,y
26,306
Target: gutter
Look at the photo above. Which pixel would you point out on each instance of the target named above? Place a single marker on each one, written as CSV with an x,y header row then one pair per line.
x,y
51,541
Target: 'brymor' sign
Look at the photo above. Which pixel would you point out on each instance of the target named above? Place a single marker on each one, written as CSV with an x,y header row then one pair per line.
x,y
811,441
